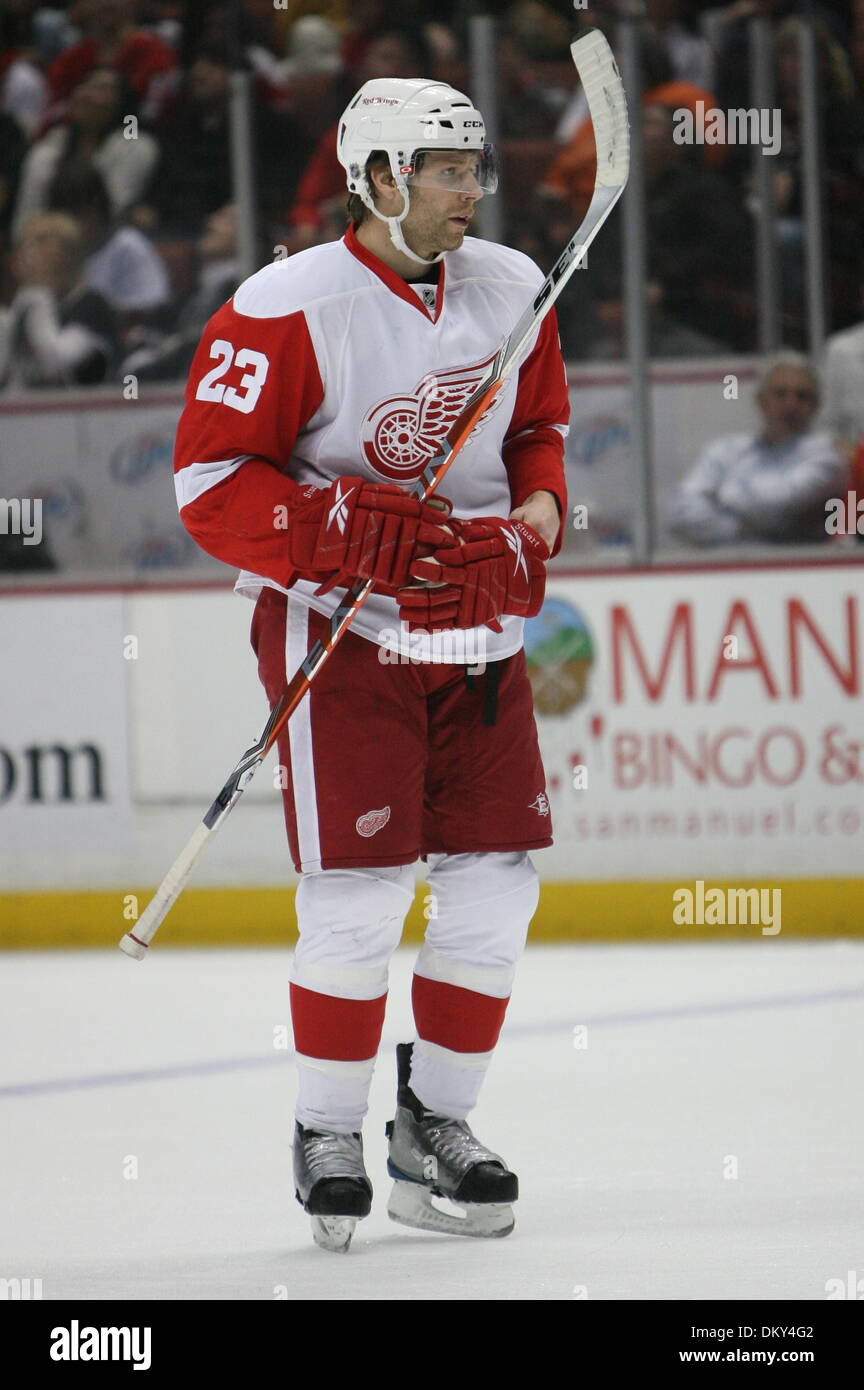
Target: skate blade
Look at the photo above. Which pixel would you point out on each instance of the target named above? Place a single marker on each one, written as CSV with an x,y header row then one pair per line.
x,y
411,1204
333,1232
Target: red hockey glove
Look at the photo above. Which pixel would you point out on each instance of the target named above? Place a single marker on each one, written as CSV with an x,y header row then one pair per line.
x,y
492,567
360,530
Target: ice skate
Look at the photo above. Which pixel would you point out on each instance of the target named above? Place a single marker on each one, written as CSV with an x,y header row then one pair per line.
x,y
435,1157
331,1184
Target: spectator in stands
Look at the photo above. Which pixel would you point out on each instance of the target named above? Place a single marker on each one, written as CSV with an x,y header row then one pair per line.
x,y
310,81
194,177
56,332
168,357
113,39
771,485
313,47
122,264
47,32
23,87
699,269
317,214
93,135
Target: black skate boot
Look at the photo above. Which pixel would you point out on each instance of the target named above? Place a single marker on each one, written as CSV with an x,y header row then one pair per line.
x,y
331,1184
435,1156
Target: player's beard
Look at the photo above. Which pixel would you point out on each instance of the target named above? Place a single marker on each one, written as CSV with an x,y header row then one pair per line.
x,y
433,231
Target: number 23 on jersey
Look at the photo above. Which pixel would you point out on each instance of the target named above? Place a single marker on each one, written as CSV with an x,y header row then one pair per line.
x,y
243,397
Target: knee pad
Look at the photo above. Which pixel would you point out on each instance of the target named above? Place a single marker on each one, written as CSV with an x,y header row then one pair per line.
x,y
350,922
480,908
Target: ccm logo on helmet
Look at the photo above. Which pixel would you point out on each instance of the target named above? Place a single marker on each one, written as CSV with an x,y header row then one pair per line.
x,y
469,124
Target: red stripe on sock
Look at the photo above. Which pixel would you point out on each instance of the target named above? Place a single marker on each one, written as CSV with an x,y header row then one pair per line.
x,y
457,1018
342,1030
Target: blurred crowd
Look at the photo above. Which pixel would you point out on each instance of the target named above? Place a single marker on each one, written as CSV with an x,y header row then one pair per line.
x,y
118,234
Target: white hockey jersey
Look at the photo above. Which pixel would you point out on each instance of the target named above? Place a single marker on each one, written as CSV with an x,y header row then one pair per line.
x,y
329,364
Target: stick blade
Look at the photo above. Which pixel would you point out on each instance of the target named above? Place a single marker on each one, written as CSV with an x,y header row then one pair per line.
x,y
607,103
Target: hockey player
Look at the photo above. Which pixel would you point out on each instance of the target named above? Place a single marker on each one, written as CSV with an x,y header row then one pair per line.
x,y
316,398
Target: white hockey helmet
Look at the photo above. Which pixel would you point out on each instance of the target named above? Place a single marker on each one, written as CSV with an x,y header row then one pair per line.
x,y
405,117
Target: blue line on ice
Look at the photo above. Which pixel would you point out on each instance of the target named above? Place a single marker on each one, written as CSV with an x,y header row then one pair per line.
x,y
519,1030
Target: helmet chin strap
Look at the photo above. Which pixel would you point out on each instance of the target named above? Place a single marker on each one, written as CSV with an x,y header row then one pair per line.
x,y
394,224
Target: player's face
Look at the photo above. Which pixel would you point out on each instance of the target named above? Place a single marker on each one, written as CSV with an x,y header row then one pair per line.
x,y
443,199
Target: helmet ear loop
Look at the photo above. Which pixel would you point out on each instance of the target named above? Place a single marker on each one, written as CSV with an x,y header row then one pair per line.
x,y
395,223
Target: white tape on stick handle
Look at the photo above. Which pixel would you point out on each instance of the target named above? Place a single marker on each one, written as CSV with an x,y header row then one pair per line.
x,y
135,943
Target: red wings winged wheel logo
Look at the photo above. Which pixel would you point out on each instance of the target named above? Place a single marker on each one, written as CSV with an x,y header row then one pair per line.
x,y
401,434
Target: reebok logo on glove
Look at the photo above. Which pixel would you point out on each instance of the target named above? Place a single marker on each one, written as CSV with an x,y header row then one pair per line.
x,y
514,540
339,510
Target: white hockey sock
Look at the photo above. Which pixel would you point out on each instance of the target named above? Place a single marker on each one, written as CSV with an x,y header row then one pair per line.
x,y
447,1082
333,1095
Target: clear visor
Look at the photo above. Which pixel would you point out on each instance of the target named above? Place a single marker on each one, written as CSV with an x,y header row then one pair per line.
x,y
454,171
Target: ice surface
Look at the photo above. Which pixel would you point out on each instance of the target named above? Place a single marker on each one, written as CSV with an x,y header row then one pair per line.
x,y
699,1058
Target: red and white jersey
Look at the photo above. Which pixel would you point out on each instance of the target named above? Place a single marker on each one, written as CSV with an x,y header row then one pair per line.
x,y
327,364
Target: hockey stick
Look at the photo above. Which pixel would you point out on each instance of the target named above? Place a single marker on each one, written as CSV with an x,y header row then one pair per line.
x,y
607,105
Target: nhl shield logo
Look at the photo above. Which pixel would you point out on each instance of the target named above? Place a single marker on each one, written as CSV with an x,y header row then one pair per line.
x,y
540,804
373,821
